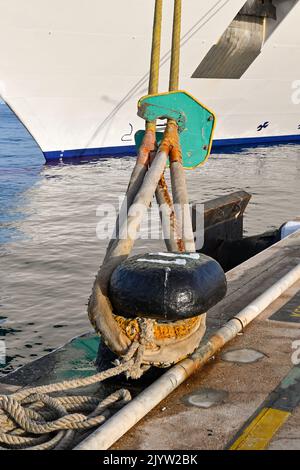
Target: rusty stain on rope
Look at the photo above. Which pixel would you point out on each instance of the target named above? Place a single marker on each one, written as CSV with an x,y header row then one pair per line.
x,y
174,243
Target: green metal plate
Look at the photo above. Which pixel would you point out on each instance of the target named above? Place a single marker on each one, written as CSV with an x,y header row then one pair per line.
x,y
195,123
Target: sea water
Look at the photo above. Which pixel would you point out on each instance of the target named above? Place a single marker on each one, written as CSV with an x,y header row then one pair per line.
x,y
49,215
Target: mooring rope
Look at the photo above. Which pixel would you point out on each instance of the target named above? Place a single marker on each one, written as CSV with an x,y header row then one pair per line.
x,y
175,52
178,181
146,180
148,145
32,419
155,51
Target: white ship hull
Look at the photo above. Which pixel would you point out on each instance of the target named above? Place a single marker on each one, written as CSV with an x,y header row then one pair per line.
x,y
72,71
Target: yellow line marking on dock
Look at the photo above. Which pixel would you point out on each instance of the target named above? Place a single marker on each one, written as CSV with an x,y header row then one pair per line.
x,y
261,430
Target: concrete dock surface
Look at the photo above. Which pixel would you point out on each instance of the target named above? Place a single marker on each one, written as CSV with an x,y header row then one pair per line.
x,y
248,396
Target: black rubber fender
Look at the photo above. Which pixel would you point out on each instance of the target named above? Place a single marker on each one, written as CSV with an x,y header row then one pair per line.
x,y
166,286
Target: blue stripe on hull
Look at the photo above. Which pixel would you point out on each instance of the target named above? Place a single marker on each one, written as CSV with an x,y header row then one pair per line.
x,y
129,150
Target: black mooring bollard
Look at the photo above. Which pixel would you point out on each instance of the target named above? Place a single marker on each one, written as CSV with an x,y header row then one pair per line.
x,y
167,286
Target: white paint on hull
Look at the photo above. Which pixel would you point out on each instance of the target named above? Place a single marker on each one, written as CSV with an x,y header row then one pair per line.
x,y
73,71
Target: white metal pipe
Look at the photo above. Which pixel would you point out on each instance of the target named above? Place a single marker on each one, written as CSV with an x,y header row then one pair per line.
x,y
249,313
105,436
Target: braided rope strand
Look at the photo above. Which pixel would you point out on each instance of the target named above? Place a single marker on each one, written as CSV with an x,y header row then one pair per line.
x,y
32,419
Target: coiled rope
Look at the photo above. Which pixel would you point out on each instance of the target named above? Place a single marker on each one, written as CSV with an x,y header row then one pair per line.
x,y
34,419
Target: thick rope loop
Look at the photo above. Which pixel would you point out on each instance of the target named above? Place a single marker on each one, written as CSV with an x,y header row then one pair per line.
x,y
32,419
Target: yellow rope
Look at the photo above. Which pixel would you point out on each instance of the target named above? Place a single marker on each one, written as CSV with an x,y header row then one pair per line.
x,y
155,52
156,47
175,60
155,56
175,54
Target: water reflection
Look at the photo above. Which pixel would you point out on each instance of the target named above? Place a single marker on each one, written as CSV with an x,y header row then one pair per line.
x,y
48,244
